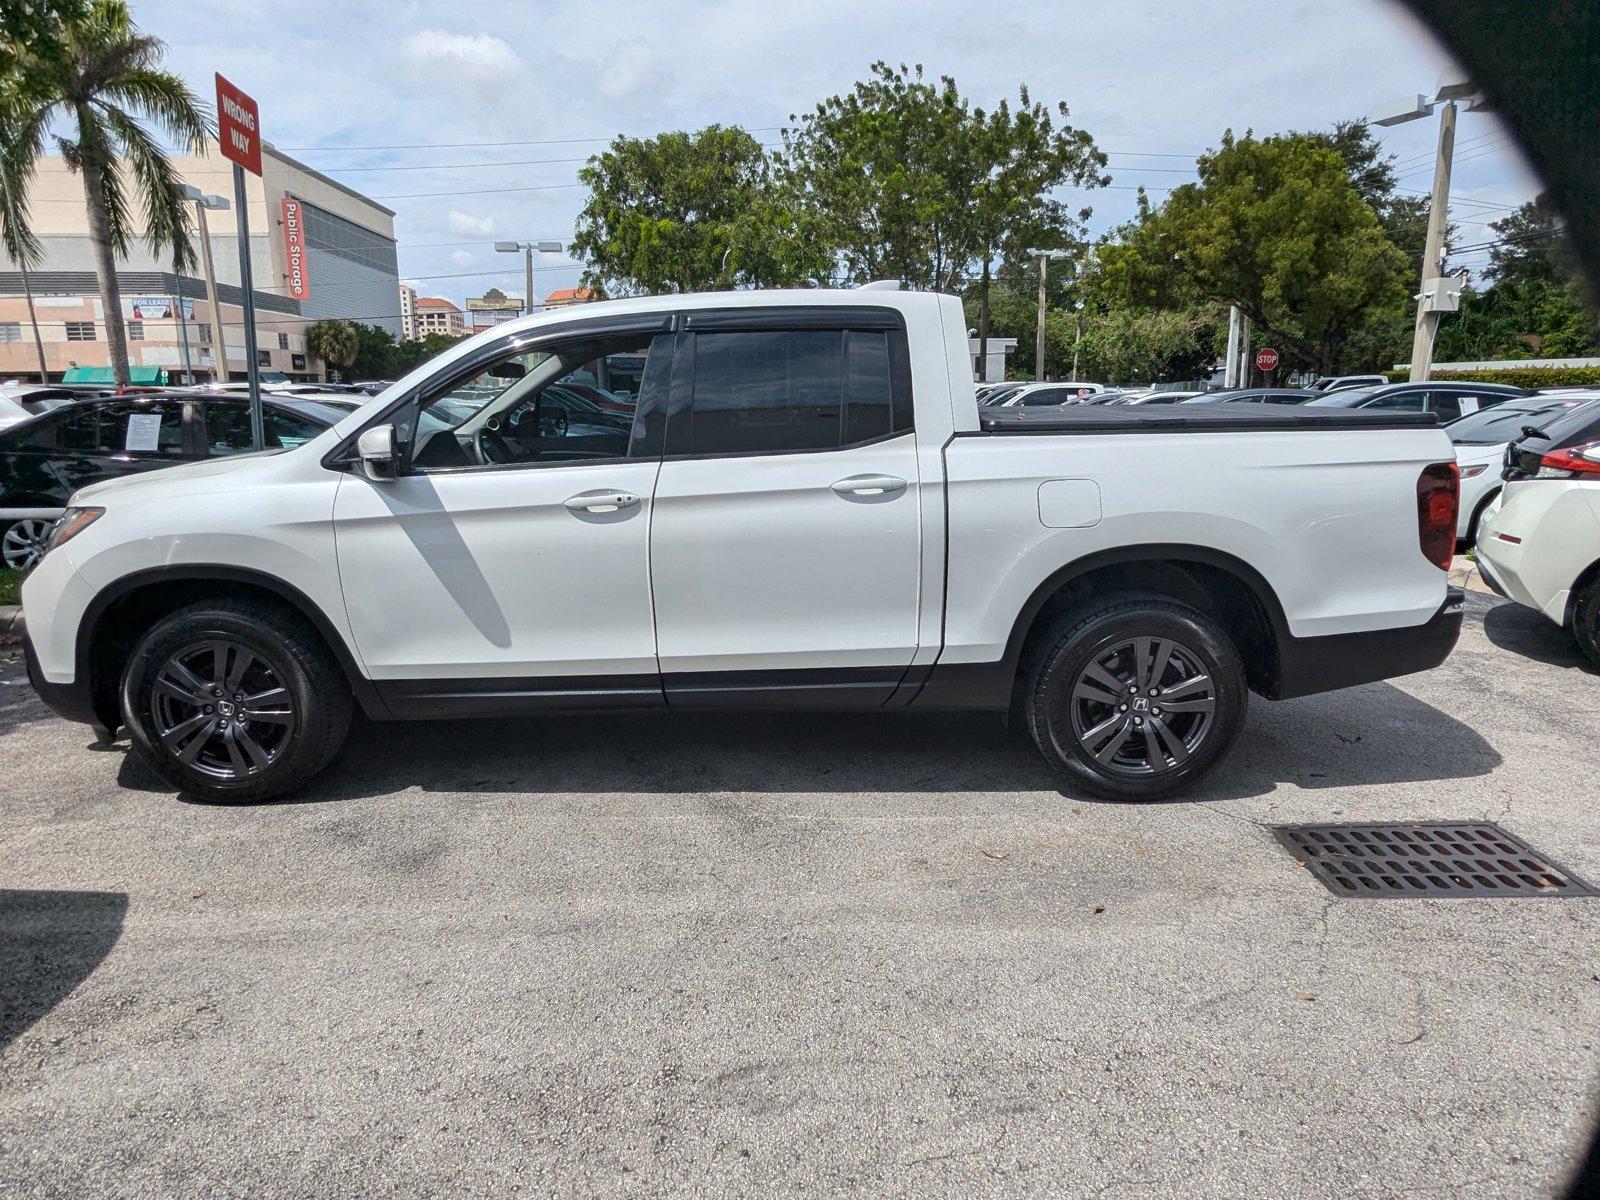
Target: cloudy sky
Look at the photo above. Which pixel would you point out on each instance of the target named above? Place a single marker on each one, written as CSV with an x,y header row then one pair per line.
x,y
471,120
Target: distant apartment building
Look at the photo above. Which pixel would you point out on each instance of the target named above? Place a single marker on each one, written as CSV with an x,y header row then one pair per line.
x,y
437,315
562,297
350,270
408,312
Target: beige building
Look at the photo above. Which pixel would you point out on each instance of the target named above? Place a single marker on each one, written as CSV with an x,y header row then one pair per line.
x,y
437,315
408,312
350,267
563,297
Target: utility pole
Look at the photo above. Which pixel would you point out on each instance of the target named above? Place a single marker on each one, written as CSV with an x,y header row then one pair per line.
x,y
1436,295
1427,325
258,431
1044,257
1077,340
1230,363
1244,350
27,289
183,330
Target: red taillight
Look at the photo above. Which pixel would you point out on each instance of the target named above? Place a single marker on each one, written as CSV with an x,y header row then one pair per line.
x,y
1573,462
1438,500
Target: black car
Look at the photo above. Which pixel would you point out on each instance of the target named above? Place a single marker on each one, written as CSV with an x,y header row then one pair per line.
x,y
44,460
1255,396
1525,457
1448,400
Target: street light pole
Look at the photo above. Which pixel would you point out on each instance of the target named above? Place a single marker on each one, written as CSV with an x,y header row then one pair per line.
x,y
1427,325
202,203
529,249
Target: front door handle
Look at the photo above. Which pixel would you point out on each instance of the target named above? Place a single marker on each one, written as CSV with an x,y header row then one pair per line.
x,y
600,502
870,485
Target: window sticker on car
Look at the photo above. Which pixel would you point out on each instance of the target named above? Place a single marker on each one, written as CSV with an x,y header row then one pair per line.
x,y
1469,404
144,433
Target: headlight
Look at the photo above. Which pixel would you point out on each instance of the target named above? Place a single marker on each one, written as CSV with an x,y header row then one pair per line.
x,y
70,524
1475,469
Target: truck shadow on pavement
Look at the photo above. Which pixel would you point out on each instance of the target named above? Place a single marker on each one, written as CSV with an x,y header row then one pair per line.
x,y
50,942
1370,735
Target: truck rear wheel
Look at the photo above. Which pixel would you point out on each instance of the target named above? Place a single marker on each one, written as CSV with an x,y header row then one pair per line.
x,y
234,701
1135,698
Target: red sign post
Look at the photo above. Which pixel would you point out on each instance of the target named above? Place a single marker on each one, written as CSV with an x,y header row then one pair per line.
x,y
1267,359
294,248
239,132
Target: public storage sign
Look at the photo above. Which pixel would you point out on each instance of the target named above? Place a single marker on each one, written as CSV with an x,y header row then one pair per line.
x,y
294,247
238,126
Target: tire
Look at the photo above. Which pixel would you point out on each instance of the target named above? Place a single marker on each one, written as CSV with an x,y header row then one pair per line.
x,y
1124,744
221,728
22,542
1586,620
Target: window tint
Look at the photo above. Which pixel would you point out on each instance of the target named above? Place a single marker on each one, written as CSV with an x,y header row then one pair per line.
x,y
1048,397
569,403
791,390
1446,404
228,429
1401,402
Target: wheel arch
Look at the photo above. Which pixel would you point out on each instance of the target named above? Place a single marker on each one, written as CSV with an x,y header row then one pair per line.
x,y
1219,584
123,609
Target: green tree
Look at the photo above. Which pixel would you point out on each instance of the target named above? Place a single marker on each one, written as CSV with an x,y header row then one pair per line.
x,y
911,182
99,76
691,212
335,342
376,351
412,353
1275,226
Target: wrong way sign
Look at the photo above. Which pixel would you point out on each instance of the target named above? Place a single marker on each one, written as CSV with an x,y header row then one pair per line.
x,y
238,126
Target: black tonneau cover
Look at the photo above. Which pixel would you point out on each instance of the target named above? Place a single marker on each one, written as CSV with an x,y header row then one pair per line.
x,y
1193,418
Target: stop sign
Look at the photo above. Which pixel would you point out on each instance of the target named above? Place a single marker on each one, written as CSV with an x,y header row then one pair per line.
x,y
1266,359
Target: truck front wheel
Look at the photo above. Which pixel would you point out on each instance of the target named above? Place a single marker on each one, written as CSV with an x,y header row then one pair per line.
x,y
1135,698
234,701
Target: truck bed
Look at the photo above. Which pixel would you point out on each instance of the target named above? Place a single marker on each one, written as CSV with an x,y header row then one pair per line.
x,y
1194,418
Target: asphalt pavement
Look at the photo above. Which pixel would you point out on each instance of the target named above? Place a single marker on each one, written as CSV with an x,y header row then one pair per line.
x,y
801,955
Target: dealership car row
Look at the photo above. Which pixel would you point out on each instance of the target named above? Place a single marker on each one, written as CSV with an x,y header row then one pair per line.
x,y
57,438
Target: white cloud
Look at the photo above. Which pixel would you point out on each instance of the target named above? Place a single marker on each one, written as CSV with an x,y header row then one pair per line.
x,y
467,225
630,67
462,258
480,63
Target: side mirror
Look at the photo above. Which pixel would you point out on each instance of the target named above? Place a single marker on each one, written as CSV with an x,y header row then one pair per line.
x,y
376,453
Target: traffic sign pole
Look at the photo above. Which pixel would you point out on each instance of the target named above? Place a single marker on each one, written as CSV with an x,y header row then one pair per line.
x,y
239,136
258,432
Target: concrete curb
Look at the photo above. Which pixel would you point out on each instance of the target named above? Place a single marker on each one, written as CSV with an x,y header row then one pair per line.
x,y
11,625
1464,574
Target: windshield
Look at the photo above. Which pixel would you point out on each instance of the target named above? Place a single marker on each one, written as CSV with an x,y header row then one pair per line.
x,y
1492,426
1347,398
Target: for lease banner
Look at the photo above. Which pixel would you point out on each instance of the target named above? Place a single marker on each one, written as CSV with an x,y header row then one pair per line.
x,y
294,247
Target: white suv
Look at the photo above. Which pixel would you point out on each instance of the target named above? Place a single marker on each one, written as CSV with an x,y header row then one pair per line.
x,y
1540,546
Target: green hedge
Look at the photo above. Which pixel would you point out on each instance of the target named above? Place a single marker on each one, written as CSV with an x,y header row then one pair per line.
x,y
1528,377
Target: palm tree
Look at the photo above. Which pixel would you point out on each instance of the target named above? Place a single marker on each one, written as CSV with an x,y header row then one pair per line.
x,y
336,343
102,76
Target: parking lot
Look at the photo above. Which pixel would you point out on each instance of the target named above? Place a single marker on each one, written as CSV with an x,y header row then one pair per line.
x,y
751,955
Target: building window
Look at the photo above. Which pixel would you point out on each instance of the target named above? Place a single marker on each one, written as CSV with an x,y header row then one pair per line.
x,y
136,331
263,358
10,331
80,331
297,362
205,332
283,341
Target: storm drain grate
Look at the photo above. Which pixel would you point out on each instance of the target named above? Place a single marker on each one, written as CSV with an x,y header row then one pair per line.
x,y
1423,861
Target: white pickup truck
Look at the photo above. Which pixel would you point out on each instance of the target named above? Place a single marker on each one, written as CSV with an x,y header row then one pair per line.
x,y
760,499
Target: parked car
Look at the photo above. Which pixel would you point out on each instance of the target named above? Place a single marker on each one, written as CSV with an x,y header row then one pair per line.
x,y
23,402
1040,395
1539,541
1482,438
1329,383
43,461
1254,396
1447,401
1162,397
808,510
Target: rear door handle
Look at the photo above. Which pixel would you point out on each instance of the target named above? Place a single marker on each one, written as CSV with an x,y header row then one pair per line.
x,y
870,485
600,501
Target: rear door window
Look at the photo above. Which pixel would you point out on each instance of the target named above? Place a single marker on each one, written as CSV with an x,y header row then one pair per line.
x,y
777,391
